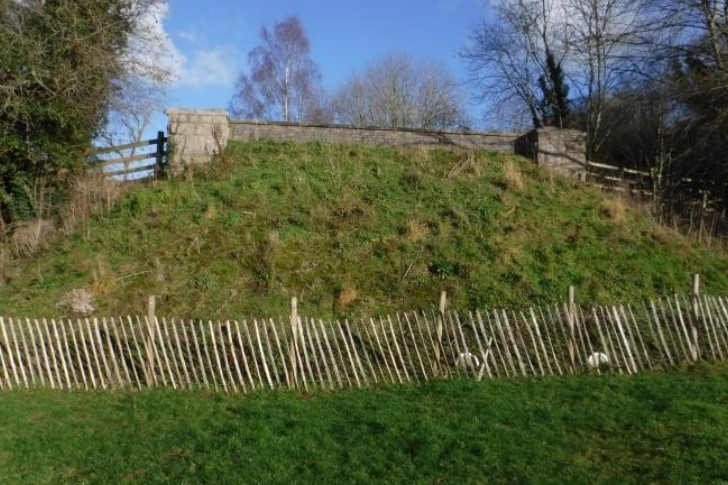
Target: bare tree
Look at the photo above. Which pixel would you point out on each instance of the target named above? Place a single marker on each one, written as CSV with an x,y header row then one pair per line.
x,y
140,90
605,40
596,43
282,79
351,103
131,112
682,22
693,41
507,57
397,92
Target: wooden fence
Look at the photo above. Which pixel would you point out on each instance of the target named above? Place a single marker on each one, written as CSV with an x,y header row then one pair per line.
x,y
619,179
155,166
683,204
644,185
307,353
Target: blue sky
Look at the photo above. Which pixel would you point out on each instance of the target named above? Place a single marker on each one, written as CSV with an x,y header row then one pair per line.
x,y
212,38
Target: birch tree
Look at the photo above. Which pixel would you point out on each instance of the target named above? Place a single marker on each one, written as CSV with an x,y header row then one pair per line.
x,y
282,80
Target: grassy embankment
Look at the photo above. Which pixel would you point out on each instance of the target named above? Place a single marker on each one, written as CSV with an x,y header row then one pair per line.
x,y
359,230
649,428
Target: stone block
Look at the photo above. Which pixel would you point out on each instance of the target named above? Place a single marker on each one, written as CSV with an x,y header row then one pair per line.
x,y
195,135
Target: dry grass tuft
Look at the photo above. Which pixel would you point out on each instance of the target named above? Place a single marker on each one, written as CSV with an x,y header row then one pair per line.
x,y
469,163
512,177
210,212
346,297
415,231
511,251
103,276
273,239
415,152
6,258
347,204
661,234
614,208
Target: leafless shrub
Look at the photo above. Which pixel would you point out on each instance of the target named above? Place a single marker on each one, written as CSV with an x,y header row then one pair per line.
x,y
90,194
29,237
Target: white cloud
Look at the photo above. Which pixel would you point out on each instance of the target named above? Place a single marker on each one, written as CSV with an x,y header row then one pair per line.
x,y
190,36
448,5
196,65
155,55
208,67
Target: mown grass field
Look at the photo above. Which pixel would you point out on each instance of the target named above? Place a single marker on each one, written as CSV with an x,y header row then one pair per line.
x,y
355,230
650,428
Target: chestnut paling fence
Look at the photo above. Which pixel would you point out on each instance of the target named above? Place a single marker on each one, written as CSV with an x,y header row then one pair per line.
x,y
306,353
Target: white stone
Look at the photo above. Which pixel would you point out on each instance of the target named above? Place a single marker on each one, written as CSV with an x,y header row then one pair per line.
x,y
466,361
597,359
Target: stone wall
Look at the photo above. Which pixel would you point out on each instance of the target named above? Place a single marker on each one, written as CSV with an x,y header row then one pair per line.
x,y
197,135
561,150
260,130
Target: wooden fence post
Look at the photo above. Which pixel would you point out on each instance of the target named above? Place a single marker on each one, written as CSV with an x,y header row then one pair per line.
x,y
696,313
703,207
149,341
696,293
572,298
571,317
439,326
293,347
159,169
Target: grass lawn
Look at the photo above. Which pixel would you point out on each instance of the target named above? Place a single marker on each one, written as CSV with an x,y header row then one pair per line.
x,y
650,428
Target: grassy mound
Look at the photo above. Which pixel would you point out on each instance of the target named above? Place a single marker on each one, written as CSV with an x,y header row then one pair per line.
x,y
356,230
649,428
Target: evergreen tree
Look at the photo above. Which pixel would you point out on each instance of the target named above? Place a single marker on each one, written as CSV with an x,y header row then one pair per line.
x,y
555,102
59,65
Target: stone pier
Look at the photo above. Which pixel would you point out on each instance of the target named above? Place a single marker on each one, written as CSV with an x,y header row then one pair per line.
x,y
196,135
